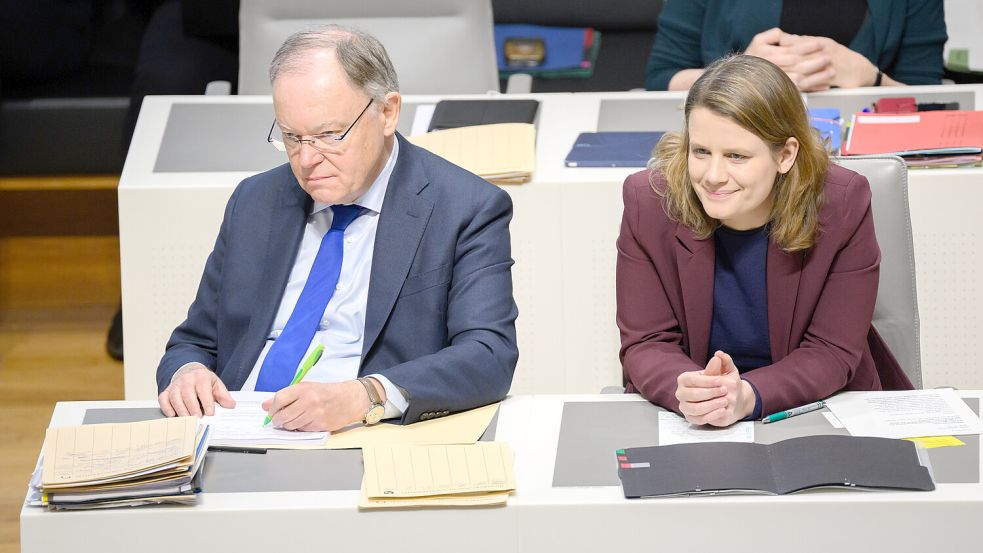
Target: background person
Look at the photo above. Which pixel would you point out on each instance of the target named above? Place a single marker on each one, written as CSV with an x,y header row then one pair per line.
x,y
835,43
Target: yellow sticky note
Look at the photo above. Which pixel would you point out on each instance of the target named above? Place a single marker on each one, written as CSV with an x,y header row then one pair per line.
x,y
929,442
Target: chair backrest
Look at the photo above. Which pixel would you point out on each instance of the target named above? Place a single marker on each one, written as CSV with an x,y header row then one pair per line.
x,y
436,46
896,309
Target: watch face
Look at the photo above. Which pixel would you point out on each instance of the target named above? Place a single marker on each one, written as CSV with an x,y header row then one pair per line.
x,y
374,414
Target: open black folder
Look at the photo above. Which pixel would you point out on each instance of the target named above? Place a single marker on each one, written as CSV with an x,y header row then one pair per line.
x,y
779,468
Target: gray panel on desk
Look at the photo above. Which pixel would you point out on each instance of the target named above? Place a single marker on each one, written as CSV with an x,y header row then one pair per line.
x,y
217,138
654,114
591,431
283,470
227,137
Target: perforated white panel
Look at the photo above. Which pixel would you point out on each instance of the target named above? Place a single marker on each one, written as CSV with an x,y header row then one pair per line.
x,y
946,213
537,285
165,237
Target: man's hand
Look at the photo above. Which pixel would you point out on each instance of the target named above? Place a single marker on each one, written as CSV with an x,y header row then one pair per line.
x,y
194,390
315,406
715,395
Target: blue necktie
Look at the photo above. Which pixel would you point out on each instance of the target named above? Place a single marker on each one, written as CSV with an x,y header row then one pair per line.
x,y
285,355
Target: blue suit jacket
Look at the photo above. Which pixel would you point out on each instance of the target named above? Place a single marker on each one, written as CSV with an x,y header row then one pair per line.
x,y
440,319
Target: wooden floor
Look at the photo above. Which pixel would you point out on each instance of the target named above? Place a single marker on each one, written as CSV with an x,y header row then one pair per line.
x,y
57,296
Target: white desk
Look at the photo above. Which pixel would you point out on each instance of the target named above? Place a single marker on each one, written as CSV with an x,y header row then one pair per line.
x,y
539,516
564,271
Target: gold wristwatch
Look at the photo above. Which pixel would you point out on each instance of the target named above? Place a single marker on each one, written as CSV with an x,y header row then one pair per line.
x,y
376,408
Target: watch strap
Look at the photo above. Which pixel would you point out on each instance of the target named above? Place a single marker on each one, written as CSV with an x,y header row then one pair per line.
x,y
370,389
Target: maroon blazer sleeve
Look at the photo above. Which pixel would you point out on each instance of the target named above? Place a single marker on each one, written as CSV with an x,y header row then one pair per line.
x,y
652,351
834,305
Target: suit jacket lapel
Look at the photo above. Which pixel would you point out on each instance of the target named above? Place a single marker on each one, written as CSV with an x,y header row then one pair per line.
x,y
402,221
285,228
695,263
783,270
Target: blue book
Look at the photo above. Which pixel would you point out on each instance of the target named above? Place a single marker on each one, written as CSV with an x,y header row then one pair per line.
x,y
827,122
612,149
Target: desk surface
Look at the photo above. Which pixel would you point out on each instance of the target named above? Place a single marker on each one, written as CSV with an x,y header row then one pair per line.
x,y
545,512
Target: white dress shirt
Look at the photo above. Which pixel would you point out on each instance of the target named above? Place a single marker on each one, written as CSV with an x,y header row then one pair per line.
x,y
342,328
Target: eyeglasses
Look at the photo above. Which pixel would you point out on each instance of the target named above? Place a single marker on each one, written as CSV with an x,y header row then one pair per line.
x,y
329,142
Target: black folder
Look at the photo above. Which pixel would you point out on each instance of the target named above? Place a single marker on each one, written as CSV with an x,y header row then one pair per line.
x,y
451,114
783,467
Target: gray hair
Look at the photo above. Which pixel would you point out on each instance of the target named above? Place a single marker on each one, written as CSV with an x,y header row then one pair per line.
x,y
362,57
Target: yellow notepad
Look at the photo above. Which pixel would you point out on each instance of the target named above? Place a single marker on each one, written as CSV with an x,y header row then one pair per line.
x,y
460,428
438,475
502,153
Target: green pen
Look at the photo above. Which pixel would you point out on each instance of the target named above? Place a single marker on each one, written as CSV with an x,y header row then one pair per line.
x,y
793,412
302,372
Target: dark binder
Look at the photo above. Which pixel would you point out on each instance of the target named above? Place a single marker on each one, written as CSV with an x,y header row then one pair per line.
x,y
451,114
612,149
783,467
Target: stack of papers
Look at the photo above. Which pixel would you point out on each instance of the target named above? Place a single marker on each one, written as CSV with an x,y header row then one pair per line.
x,y
242,426
401,476
117,465
502,154
948,138
674,429
905,414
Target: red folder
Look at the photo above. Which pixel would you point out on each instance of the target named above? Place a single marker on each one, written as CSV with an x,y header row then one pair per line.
x,y
927,132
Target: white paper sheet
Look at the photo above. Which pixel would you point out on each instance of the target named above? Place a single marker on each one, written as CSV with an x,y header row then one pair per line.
x,y
674,429
906,414
835,422
243,425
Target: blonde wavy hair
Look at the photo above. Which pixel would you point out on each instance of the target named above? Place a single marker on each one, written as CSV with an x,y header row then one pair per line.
x,y
758,96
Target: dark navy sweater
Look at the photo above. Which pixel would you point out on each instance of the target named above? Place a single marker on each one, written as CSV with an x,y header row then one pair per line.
x,y
740,300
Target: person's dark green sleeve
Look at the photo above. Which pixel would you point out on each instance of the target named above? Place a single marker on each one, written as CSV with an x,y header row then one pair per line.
x,y
919,59
677,42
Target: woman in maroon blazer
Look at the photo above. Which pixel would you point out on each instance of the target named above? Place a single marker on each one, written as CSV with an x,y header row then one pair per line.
x,y
747,263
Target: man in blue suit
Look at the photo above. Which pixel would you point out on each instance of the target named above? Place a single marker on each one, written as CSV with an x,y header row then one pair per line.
x,y
394,260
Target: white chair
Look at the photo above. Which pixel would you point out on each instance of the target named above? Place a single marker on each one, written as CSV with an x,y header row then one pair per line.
x,y
436,46
896,309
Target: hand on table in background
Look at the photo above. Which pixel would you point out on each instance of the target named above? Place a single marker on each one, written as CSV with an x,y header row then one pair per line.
x,y
849,69
194,390
715,395
804,59
852,68
318,406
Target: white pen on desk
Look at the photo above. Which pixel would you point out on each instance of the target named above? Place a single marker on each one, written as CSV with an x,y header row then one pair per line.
x,y
793,412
